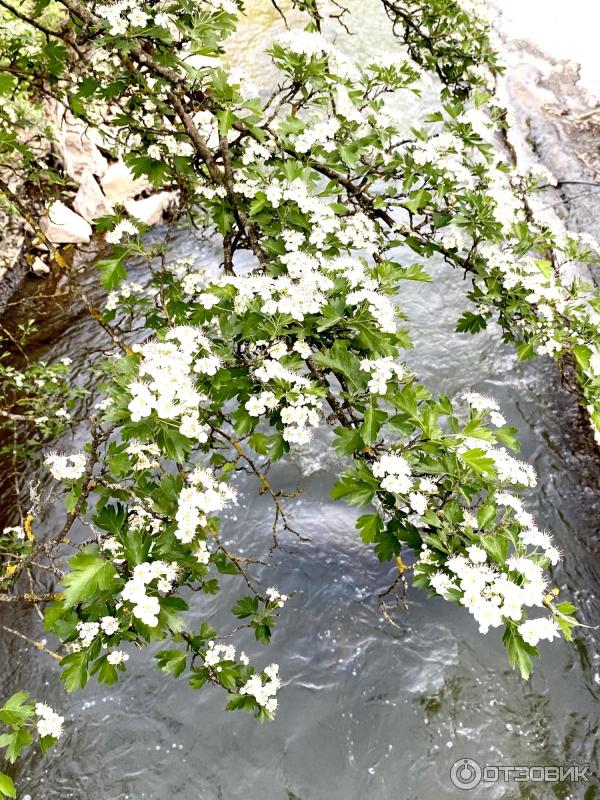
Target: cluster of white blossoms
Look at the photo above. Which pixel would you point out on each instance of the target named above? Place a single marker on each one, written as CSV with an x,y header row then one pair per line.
x,y
264,691
534,630
320,133
144,455
531,535
127,290
147,607
171,367
140,518
397,477
127,16
88,632
494,594
395,471
382,371
14,532
204,495
274,596
66,468
509,470
490,595
123,228
481,402
202,553
218,652
117,657
109,625
301,410
49,723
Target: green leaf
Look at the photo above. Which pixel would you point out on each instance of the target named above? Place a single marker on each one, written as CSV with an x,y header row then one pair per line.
x,y
7,83
14,742
347,441
75,674
16,710
89,575
46,743
245,607
387,546
508,436
519,652
172,661
136,547
243,422
485,515
113,271
7,787
582,356
356,491
259,442
545,267
478,460
369,525
414,272
199,677
471,323
262,632
373,420
105,672
525,351
340,360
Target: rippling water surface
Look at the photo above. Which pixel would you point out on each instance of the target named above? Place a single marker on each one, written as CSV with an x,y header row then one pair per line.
x,y
368,710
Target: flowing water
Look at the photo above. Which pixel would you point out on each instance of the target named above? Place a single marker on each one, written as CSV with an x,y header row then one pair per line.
x,y
368,710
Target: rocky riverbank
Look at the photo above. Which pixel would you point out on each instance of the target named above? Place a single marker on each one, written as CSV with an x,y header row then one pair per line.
x,y
100,186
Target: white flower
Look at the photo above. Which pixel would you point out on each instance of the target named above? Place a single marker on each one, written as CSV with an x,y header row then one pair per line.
x,y
300,346
418,502
147,609
533,630
88,632
109,625
477,554
66,468
382,371
117,657
441,582
121,229
216,653
49,722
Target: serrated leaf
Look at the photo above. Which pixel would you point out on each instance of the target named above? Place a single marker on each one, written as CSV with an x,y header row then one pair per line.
x,y
75,674
245,607
172,661
478,460
89,575
14,743
369,525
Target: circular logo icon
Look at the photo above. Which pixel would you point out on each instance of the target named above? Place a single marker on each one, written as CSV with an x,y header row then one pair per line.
x,y
465,773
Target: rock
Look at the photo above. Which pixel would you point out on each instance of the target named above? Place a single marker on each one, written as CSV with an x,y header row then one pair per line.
x,y
63,226
150,210
119,184
39,268
78,152
89,200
